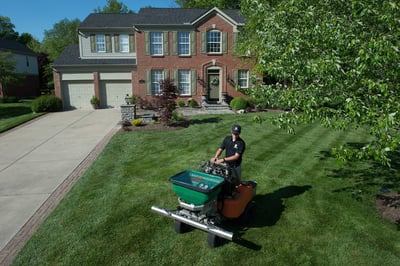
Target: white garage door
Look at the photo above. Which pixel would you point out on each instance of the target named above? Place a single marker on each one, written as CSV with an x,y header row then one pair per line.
x,y
113,93
76,95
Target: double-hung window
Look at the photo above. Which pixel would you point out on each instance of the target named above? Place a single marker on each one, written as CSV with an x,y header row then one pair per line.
x,y
100,43
184,82
156,77
156,43
214,41
124,43
243,78
184,43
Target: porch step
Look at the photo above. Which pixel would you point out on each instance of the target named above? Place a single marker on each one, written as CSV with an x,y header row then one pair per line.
x,y
215,106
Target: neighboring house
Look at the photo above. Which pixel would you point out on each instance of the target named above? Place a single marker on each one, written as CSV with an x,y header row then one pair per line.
x,y
26,64
121,54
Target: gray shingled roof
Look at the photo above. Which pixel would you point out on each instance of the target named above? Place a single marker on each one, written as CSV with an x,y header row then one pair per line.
x,y
15,47
178,16
152,16
70,57
100,20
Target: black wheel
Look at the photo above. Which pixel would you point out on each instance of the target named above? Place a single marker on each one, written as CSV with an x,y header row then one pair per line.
x,y
180,227
213,240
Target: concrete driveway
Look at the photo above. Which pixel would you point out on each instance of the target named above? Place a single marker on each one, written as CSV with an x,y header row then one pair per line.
x,y
39,162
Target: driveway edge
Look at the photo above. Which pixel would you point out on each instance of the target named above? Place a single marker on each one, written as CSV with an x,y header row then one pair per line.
x,y
14,246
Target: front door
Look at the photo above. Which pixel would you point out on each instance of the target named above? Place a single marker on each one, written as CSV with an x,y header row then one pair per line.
x,y
214,84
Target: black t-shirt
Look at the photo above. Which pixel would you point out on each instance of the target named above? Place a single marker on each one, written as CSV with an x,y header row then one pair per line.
x,y
231,147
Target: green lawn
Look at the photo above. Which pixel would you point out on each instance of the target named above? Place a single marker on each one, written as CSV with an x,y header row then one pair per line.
x,y
307,212
15,114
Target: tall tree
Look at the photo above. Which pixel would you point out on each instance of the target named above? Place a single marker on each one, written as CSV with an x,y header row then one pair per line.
x,y
223,4
7,29
113,6
333,61
8,72
60,36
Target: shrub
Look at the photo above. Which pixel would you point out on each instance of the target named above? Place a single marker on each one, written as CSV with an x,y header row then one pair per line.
x,y
238,103
137,122
132,100
193,103
177,116
181,103
46,103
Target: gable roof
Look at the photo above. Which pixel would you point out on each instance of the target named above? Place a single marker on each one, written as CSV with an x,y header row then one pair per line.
x,y
157,16
102,20
15,47
70,57
182,16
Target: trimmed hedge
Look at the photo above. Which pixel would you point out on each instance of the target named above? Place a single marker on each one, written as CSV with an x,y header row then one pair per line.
x,y
46,103
238,103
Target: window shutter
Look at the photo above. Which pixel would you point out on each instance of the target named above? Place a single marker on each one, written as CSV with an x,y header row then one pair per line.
x,y
192,43
108,43
234,42
116,43
148,82
166,74
236,76
193,82
92,43
203,42
175,77
174,43
147,43
165,42
132,44
224,42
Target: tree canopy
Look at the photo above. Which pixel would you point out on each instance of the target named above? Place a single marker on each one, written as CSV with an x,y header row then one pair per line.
x,y
223,4
113,6
336,62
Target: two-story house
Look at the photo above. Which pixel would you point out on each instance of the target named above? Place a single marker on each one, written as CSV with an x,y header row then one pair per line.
x,y
121,54
26,64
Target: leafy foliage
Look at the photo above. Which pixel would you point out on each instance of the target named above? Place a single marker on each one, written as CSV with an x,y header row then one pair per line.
x,y
46,103
238,103
113,6
225,4
332,61
166,100
8,72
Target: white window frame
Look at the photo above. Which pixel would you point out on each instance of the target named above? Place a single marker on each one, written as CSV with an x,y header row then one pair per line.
x,y
156,77
100,43
124,43
214,42
243,78
184,82
156,43
183,43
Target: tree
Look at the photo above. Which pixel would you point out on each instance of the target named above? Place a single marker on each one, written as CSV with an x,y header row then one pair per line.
x,y
57,39
113,6
166,100
8,72
336,62
7,29
223,4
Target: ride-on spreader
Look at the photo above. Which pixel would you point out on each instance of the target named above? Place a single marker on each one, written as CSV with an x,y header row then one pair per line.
x,y
207,198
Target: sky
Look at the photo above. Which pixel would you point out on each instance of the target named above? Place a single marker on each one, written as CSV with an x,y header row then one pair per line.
x,y
36,16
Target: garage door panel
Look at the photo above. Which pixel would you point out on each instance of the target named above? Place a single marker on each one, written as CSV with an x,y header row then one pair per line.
x,y
113,93
77,95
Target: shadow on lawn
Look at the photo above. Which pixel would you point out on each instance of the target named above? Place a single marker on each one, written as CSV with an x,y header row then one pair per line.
x,y
205,120
266,211
367,176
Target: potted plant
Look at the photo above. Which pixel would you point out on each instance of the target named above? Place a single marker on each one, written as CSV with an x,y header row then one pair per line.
x,y
95,102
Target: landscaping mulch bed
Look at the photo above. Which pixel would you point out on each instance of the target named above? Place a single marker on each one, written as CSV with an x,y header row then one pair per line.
x,y
157,126
388,205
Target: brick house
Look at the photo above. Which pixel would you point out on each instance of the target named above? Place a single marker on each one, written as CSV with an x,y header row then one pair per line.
x,y
26,64
121,54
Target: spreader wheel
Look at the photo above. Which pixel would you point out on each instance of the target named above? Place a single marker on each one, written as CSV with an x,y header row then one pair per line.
x,y
213,240
180,227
